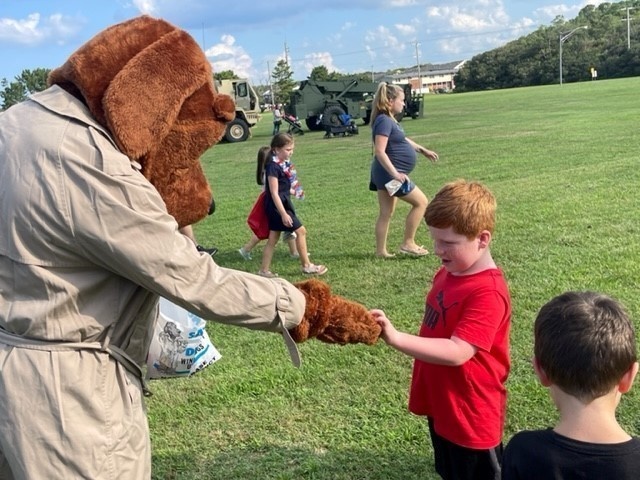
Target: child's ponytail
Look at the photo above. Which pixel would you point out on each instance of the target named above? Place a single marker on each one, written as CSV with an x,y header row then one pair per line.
x,y
263,156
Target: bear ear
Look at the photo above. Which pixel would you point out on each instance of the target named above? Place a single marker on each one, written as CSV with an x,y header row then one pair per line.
x,y
144,99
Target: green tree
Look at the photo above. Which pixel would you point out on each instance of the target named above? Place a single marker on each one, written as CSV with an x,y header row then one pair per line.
x,y
25,84
319,74
225,75
283,82
363,77
322,74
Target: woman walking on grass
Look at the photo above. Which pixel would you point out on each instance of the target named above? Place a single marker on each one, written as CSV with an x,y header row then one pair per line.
x,y
280,212
395,158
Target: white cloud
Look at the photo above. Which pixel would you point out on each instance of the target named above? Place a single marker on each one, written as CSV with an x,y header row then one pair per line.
x,y
568,11
552,11
382,35
347,26
403,3
475,26
385,47
405,29
315,59
226,55
21,31
472,17
35,30
145,6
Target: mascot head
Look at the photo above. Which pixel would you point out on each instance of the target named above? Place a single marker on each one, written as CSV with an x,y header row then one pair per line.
x,y
151,86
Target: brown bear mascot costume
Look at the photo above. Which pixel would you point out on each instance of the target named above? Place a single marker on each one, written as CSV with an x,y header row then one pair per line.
x,y
97,173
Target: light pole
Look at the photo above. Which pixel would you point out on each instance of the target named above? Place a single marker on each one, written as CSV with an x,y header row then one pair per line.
x,y
563,38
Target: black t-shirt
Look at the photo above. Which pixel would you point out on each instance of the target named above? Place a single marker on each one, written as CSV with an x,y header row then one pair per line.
x,y
545,455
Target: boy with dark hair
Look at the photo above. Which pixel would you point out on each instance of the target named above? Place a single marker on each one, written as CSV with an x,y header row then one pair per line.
x,y
585,354
462,351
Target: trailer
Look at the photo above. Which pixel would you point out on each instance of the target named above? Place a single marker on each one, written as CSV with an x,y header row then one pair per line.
x,y
323,105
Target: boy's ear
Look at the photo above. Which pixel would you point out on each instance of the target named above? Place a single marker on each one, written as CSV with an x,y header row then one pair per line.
x,y
626,382
542,376
484,238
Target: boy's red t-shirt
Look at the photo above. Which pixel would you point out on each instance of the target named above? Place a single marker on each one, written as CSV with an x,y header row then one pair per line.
x,y
467,402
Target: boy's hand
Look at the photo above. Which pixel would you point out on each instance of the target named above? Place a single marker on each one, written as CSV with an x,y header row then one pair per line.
x,y
388,330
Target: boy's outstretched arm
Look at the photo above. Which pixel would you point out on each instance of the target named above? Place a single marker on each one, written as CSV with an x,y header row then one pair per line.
x,y
442,351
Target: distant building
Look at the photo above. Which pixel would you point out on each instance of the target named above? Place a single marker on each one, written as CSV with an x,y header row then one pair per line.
x,y
431,78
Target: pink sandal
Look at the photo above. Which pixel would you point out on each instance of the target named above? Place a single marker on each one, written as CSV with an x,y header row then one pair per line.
x,y
312,269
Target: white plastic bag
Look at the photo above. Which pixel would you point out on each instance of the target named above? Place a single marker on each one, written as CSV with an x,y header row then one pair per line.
x,y
180,345
393,186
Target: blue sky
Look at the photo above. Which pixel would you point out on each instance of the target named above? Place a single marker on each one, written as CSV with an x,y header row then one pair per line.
x,y
344,35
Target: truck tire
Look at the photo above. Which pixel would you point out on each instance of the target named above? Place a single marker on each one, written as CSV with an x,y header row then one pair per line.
x,y
314,124
331,116
237,131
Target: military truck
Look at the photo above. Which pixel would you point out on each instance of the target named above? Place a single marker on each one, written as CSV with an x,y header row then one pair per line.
x,y
247,108
323,105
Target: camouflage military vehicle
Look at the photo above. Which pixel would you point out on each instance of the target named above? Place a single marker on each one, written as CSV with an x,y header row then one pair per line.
x,y
327,104
247,108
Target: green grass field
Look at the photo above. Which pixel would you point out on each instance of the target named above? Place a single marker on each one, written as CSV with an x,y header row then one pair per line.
x,y
563,164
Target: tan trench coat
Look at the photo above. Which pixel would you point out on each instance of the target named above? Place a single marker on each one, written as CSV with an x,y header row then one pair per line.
x,y
86,247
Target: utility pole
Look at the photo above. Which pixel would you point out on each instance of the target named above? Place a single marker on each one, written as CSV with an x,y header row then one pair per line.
x,y
418,63
628,20
286,53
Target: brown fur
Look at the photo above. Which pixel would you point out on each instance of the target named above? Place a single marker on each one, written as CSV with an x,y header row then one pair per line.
x,y
151,86
332,318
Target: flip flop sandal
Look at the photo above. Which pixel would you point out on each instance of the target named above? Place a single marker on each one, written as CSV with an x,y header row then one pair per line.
x,y
314,269
267,274
414,252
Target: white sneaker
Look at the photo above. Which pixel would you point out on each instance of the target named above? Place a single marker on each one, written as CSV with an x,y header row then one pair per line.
x,y
246,255
287,235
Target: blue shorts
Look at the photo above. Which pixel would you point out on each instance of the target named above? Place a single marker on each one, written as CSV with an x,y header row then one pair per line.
x,y
379,177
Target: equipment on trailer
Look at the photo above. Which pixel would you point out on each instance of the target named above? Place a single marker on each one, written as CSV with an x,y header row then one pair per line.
x,y
321,104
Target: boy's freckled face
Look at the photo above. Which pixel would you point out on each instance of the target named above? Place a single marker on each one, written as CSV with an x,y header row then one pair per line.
x,y
457,253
